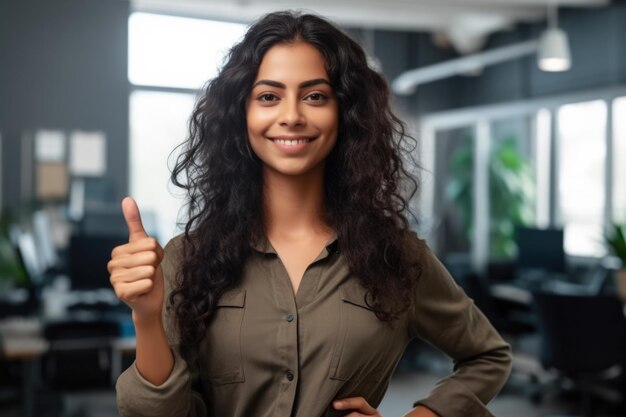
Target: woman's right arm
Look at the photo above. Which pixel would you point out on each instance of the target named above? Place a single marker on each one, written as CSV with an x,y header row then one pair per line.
x,y
158,383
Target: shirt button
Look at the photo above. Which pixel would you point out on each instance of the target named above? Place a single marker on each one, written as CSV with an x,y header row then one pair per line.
x,y
290,317
289,375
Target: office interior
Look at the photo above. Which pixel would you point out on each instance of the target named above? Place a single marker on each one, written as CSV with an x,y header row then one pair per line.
x,y
521,160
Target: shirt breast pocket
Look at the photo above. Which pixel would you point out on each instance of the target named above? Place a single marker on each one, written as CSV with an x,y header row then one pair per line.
x,y
221,351
361,340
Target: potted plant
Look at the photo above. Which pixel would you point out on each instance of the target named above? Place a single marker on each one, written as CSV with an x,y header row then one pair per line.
x,y
617,243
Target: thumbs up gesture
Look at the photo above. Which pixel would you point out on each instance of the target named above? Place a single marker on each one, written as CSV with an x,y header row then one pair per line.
x,y
135,268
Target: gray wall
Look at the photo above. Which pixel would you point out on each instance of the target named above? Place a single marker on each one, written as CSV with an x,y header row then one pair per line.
x,y
400,51
63,66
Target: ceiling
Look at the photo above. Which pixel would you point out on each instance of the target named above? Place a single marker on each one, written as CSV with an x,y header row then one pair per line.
x,y
465,23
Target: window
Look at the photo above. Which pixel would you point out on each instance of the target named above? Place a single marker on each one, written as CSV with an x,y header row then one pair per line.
x,y
581,177
158,123
174,56
169,51
579,180
511,184
543,133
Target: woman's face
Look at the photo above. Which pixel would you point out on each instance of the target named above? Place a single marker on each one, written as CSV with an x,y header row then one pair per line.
x,y
292,111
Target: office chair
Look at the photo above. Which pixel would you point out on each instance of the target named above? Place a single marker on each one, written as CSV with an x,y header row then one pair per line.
x,y
583,338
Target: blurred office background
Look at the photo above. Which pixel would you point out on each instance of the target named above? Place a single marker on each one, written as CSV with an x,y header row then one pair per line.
x,y
519,109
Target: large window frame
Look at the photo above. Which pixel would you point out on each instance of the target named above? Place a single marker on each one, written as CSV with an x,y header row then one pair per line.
x,y
480,119
170,85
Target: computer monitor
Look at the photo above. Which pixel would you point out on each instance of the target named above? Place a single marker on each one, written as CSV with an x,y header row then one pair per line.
x,y
88,256
540,249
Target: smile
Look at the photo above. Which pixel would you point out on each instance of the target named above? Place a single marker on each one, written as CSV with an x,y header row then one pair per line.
x,y
291,141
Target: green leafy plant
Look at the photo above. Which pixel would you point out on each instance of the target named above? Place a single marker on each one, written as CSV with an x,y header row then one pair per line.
x,y
617,242
11,269
511,193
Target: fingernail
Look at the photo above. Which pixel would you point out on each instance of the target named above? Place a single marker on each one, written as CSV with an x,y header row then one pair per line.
x,y
337,403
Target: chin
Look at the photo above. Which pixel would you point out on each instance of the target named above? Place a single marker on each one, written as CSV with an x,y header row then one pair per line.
x,y
292,170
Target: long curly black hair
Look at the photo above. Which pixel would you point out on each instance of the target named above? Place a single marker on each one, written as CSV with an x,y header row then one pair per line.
x,y
366,184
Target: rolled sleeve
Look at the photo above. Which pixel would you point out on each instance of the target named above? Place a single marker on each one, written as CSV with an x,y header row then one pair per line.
x,y
137,397
445,317
450,398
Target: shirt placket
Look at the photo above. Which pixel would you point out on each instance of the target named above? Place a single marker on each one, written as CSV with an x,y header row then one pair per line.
x,y
287,340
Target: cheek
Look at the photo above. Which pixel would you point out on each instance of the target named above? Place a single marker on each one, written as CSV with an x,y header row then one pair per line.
x,y
329,123
258,121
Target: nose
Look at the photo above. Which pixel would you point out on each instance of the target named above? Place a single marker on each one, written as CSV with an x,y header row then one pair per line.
x,y
292,114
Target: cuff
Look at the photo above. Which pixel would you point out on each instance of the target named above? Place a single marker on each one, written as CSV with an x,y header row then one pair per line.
x,y
136,397
451,398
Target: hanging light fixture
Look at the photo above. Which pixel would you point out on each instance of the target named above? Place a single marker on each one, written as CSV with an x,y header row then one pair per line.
x,y
554,53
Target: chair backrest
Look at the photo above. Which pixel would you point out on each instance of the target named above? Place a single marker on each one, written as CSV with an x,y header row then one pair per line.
x,y
581,333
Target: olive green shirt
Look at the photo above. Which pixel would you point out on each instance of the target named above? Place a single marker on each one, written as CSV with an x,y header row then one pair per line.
x,y
269,353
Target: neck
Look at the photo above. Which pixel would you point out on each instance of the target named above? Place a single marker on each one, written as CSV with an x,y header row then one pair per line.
x,y
294,205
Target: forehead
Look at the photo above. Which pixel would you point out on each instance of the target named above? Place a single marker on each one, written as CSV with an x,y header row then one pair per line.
x,y
292,62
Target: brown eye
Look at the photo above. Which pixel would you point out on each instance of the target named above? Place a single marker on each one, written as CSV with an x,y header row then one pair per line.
x,y
267,97
316,97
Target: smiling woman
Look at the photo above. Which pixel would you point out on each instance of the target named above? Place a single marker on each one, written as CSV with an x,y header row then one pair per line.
x,y
292,111
297,284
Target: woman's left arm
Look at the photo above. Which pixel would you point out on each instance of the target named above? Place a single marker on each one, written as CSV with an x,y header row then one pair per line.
x,y
444,316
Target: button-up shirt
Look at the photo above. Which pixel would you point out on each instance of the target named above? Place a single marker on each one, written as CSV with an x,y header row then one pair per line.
x,y
270,353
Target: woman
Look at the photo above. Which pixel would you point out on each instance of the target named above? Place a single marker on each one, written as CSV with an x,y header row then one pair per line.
x,y
297,283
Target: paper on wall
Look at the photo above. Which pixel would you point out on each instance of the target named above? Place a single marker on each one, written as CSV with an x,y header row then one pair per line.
x,y
49,146
52,180
87,154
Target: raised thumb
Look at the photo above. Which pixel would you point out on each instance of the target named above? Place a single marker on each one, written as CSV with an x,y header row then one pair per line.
x,y
133,219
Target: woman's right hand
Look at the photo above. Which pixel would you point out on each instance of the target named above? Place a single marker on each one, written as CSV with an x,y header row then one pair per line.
x,y
135,268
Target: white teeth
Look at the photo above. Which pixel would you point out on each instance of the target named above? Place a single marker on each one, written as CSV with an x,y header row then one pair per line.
x,y
291,142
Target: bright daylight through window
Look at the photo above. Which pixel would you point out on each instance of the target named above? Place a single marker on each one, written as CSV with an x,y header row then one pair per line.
x,y
175,56
581,162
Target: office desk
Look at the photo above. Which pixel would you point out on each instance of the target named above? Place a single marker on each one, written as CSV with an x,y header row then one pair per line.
x,y
23,341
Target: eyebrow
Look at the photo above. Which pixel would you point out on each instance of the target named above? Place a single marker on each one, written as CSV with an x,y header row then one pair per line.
x,y
303,84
